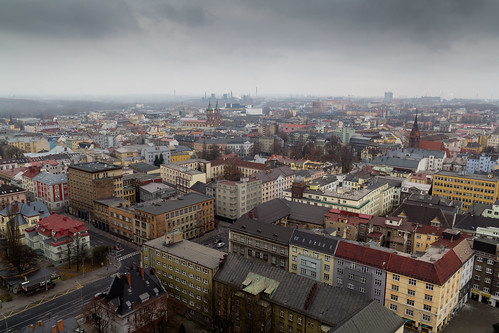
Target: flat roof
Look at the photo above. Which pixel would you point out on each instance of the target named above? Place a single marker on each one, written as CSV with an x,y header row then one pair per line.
x,y
190,251
468,175
94,167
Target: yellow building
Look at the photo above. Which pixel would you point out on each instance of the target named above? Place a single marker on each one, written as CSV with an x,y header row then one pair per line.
x,y
312,256
181,176
186,270
425,291
179,156
466,188
28,144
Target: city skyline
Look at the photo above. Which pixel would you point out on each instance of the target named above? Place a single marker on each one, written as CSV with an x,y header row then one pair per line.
x,y
323,48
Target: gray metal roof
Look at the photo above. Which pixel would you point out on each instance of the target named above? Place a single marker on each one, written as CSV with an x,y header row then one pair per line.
x,y
173,204
194,252
374,318
313,241
50,179
269,231
330,305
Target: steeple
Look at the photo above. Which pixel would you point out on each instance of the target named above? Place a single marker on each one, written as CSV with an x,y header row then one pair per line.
x,y
216,107
209,106
416,121
414,136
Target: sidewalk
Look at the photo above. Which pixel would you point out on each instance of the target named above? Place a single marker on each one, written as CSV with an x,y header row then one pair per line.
x,y
20,302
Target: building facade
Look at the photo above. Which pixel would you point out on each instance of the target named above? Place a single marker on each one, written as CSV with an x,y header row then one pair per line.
x,y
52,190
235,198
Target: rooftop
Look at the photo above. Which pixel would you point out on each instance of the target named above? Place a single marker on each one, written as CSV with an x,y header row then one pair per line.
x,y
269,231
173,204
468,176
193,252
94,167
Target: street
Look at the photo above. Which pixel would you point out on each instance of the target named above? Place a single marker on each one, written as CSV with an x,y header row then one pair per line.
x,y
70,304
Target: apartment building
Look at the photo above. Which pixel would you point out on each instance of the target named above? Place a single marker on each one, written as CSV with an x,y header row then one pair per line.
x,y
51,189
467,188
376,199
150,154
485,283
235,198
186,270
312,255
101,211
261,241
247,169
181,177
275,181
29,144
92,181
10,193
122,220
191,213
250,296
362,269
26,214
481,163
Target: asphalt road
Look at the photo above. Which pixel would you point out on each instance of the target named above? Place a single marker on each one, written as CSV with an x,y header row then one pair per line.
x,y
210,239
70,305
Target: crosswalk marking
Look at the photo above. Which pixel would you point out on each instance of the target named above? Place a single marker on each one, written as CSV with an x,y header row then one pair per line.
x,y
128,255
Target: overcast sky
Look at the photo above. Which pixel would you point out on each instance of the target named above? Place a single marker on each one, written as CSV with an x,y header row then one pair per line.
x,y
446,48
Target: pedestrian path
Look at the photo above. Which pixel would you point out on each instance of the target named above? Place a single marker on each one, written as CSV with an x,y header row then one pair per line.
x,y
128,256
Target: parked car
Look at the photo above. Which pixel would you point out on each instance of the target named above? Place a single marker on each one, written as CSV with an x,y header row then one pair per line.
x,y
220,244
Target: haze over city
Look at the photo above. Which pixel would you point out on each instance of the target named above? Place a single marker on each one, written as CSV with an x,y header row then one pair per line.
x,y
333,48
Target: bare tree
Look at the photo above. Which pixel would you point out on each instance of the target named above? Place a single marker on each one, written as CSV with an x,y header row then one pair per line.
x,y
152,315
232,172
18,254
98,314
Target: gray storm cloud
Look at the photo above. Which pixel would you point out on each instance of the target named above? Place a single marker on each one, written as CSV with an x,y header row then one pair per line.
x,y
329,47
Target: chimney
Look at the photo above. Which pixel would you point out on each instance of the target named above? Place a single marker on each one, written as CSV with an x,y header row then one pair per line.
x,y
15,207
141,269
60,327
153,269
129,278
133,305
31,327
54,329
40,323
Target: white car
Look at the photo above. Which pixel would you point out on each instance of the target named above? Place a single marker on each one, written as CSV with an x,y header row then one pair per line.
x,y
220,244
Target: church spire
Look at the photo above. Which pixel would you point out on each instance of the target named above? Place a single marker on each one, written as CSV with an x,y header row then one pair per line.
x,y
209,105
416,121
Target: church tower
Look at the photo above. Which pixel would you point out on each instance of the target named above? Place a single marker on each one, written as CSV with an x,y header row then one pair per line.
x,y
213,116
414,136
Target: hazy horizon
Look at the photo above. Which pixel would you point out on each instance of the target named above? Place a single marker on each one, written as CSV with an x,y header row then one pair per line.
x,y
283,47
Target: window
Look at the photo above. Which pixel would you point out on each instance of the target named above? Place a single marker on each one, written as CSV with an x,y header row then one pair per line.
x,y
340,262
393,307
429,286
379,272
427,307
488,270
478,268
362,289
479,259
299,320
394,287
490,262
294,249
340,270
486,289
363,279
396,277
487,280
428,297
326,268
394,297
293,258
350,286
410,302
339,280
377,282
377,292
351,276
411,292
327,258
426,317
412,282
326,276
281,314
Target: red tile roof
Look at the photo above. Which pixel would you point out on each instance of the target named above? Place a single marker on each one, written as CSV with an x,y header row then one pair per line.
x,y
434,272
363,254
61,226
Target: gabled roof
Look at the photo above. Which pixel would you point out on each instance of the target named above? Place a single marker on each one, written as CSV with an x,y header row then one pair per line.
x,y
136,286
269,231
273,174
363,255
313,241
58,226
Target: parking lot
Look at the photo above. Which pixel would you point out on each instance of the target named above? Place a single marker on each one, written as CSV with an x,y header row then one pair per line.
x,y
213,238
473,317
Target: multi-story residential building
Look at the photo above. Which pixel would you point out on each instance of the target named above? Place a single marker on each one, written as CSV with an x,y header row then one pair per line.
x,y
122,220
275,181
23,215
347,225
27,180
235,198
51,189
480,163
375,199
186,270
191,213
105,141
154,191
58,237
10,193
425,290
30,144
101,212
247,169
206,145
239,146
412,158
362,269
485,283
179,156
150,153
312,255
181,177
141,309
92,181
250,296
467,188
261,241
